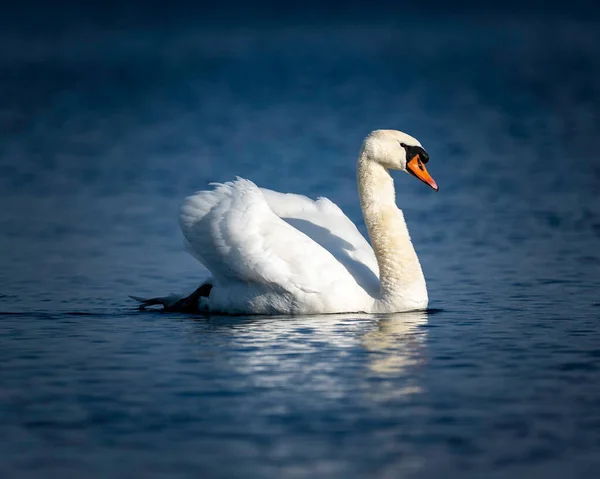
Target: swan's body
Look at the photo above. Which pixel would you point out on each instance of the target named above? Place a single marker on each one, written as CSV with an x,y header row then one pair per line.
x,y
275,253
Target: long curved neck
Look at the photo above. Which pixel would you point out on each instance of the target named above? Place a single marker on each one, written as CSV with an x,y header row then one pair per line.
x,y
402,284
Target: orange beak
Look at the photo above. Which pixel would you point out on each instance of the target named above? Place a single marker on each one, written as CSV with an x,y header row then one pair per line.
x,y
417,168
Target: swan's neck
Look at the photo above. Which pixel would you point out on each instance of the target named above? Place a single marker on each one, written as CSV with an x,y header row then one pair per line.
x,y
402,285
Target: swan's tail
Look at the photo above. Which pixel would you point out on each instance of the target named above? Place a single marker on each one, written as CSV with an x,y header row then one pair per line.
x,y
177,304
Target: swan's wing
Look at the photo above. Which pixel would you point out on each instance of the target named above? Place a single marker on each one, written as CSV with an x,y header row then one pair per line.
x,y
325,223
235,234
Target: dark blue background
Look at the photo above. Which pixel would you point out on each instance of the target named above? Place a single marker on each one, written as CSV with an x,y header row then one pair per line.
x,y
111,114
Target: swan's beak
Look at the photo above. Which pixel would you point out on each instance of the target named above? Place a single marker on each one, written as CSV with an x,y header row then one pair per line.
x,y
417,168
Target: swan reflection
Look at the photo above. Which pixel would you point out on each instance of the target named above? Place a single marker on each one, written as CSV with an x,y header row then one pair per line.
x,y
398,343
322,353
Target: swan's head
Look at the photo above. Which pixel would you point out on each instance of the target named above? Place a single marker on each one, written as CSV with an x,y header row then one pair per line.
x,y
395,150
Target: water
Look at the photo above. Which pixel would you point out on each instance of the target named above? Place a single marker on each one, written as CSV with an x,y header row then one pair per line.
x,y
105,130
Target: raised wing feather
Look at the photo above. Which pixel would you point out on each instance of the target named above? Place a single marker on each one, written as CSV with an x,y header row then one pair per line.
x,y
233,231
326,224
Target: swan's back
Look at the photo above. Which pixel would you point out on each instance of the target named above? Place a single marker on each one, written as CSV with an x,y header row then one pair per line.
x,y
326,224
269,252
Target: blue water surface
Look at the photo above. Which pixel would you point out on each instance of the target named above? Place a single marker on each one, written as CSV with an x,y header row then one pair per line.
x,y
103,131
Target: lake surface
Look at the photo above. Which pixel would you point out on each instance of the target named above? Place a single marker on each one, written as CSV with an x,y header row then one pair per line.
x,y
103,131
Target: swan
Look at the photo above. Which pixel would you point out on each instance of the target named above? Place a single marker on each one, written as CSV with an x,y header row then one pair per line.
x,y
282,253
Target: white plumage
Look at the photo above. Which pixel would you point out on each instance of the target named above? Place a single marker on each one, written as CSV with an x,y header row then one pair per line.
x,y
263,264
274,253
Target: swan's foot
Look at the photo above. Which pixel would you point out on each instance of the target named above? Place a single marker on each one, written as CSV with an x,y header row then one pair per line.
x,y
174,304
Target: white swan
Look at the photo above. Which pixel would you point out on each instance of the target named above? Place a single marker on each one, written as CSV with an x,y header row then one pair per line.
x,y
276,253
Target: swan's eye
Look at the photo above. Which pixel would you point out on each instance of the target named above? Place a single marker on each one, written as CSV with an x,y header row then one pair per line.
x,y
412,151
